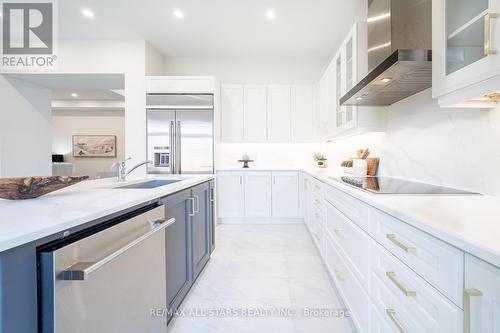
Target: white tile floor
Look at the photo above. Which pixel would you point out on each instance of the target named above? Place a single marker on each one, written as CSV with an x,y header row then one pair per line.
x,y
262,268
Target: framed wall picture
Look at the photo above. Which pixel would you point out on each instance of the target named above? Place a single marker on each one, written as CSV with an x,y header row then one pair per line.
x,y
94,145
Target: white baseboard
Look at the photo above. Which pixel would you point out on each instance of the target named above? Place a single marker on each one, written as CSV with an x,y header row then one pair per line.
x,y
263,220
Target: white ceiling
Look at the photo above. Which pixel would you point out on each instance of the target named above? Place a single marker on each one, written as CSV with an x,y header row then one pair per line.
x,y
217,28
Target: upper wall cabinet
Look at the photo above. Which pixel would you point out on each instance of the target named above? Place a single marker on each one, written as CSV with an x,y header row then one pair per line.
x,y
257,113
302,105
466,59
348,66
232,112
279,113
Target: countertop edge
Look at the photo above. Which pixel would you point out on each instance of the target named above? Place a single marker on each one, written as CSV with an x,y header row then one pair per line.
x,y
46,232
478,250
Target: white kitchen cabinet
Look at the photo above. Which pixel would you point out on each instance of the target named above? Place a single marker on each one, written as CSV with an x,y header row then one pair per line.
x,y
481,296
279,113
465,46
232,113
255,113
302,105
230,191
347,68
285,200
258,194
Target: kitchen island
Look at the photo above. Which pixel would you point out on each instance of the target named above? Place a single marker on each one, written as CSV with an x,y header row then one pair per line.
x,y
27,226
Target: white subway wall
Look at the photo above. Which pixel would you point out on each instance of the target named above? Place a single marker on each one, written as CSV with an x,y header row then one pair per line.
x,y
449,146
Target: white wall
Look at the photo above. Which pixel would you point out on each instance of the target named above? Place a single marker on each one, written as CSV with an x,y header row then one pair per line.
x,y
249,70
66,124
25,129
104,56
155,61
267,155
454,147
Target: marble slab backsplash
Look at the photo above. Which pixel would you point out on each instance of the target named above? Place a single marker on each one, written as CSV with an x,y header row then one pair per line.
x,y
448,146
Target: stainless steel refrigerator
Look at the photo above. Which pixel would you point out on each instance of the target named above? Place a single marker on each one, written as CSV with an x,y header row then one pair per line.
x,y
180,133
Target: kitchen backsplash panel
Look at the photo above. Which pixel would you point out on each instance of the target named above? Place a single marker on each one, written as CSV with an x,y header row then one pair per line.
x,y
454,147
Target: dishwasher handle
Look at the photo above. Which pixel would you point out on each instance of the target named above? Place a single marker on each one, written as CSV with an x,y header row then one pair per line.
x,y
84,270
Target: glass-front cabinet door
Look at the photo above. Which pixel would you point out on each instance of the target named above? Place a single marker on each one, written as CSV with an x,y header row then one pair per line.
x,y
350,79
465,50
467,36
339,110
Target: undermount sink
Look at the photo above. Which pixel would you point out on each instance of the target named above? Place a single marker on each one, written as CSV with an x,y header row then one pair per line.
x,y
150,184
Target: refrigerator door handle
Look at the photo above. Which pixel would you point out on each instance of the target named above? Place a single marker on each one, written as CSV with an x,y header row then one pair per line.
x,y
172,147
178,149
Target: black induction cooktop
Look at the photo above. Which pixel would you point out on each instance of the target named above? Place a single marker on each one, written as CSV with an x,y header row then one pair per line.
x,y
387,185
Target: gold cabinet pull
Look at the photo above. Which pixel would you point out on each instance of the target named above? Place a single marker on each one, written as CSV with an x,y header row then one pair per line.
x,y
391,313
337,273
399,244
468,293
487,34
339,233
406,292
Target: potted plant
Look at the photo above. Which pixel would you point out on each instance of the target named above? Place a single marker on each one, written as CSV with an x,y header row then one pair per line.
x,y
320,160
347,166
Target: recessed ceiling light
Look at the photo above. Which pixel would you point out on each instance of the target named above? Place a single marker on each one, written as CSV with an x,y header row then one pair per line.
x,y
270,14
88,13
74,95
359,98
178,13
385,80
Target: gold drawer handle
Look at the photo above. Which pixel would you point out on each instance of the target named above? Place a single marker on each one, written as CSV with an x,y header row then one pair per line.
x,y
468,293
487,34
337,273
398,243
339,233
406,292
392,316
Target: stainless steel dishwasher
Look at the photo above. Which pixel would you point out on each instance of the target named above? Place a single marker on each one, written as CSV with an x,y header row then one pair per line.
x,y
108,281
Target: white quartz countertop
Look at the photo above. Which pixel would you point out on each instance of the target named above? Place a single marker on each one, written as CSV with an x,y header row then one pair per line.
x,y
24,221
468,222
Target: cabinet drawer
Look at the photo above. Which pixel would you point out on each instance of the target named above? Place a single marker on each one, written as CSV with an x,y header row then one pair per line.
x,y
482,286
352,242
318,203
319,233
438,263
388,306
427,307
353,294
354,209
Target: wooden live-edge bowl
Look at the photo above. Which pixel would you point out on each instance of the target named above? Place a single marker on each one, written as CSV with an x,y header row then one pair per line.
x,y
20,188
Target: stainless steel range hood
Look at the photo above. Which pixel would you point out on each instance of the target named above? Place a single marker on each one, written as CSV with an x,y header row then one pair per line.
x,y
399,53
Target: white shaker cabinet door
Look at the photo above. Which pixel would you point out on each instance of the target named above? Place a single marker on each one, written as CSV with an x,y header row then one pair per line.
x,y
257,194
255,113
302,113
279,113
232,112
230,192
481,296
286,194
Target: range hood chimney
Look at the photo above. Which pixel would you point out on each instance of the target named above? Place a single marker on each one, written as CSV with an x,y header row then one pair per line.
x,y
399,53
